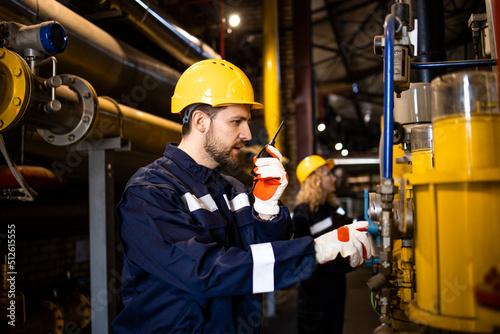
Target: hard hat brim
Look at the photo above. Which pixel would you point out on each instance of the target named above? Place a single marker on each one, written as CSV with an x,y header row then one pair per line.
x,y
330,163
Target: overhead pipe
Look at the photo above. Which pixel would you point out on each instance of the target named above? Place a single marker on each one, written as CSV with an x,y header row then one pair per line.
x,y
86,117
112,67
83,120
271,68
54,139
157,26
131,124
81,115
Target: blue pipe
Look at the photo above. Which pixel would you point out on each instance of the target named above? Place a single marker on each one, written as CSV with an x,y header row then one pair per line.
x,y
453,64
389,24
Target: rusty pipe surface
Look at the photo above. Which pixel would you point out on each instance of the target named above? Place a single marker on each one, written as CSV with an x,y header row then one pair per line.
x,y
111,66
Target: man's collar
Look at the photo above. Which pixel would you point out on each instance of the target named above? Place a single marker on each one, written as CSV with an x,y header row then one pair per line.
x,y
183,160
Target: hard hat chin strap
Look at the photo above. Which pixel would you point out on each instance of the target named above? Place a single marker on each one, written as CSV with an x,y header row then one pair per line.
x,y
188,112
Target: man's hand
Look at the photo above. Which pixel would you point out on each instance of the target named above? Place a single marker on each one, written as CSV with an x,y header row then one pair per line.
x,y
349,240
270,181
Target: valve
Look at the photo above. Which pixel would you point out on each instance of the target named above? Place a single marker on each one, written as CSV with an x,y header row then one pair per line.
x,y
35,40
403,49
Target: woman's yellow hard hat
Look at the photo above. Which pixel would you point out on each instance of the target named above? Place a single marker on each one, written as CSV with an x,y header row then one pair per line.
x,y
310,164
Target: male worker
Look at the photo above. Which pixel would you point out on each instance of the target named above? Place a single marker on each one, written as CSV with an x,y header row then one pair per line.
x,y
197,253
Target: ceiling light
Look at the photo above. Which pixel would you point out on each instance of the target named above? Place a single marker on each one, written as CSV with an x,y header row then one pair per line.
x,y
355,88
234,20
338,146
321,127
344,152
367,118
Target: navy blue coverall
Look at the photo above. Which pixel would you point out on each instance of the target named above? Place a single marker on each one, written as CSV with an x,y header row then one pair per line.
x,y
196,255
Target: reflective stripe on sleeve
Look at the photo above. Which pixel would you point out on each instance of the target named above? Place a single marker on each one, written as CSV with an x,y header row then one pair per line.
x,y
239,202
263,267
321,225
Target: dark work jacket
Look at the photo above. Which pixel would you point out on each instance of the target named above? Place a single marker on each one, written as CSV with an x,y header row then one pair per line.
x,y
196,255
321,298
314,224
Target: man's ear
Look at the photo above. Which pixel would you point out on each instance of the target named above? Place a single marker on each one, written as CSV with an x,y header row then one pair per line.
x,y
200,120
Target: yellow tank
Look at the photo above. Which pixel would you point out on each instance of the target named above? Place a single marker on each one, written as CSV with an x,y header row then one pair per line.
x,y
457,204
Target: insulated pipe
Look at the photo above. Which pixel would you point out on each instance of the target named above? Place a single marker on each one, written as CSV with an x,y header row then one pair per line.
x,y
271,68
133,124
158,27
112,67
83,115
146,132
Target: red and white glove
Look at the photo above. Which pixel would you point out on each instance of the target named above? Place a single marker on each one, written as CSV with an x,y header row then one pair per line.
x,y
270,181
349,240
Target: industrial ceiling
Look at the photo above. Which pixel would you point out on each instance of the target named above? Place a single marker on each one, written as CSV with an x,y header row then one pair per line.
x,y
346,72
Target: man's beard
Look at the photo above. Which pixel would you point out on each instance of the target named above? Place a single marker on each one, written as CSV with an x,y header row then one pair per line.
x,y
223,156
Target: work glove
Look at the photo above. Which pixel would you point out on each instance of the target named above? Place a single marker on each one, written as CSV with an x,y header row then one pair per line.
x,y
270,180
350,241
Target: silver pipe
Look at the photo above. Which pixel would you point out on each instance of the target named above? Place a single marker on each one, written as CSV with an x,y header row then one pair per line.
x,y
86,117
112,67
157,26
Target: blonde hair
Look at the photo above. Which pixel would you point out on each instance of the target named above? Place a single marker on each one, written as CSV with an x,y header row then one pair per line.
x,y
311,192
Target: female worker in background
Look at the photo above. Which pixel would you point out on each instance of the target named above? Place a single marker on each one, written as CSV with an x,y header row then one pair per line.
x,y
321,298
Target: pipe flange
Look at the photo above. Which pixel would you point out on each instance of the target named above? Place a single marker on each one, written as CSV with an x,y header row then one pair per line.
x,y
88,101
374,207
15,85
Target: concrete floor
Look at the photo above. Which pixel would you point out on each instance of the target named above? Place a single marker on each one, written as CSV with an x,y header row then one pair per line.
x,y
359,316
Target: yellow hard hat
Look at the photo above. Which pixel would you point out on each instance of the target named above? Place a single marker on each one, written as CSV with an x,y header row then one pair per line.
x,y
310,164
215,82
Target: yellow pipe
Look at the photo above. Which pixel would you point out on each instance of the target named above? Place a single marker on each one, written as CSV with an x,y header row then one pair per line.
x,y
15,88
146,132
271,69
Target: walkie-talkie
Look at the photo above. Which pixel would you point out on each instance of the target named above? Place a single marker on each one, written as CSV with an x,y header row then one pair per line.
x,y
263,153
